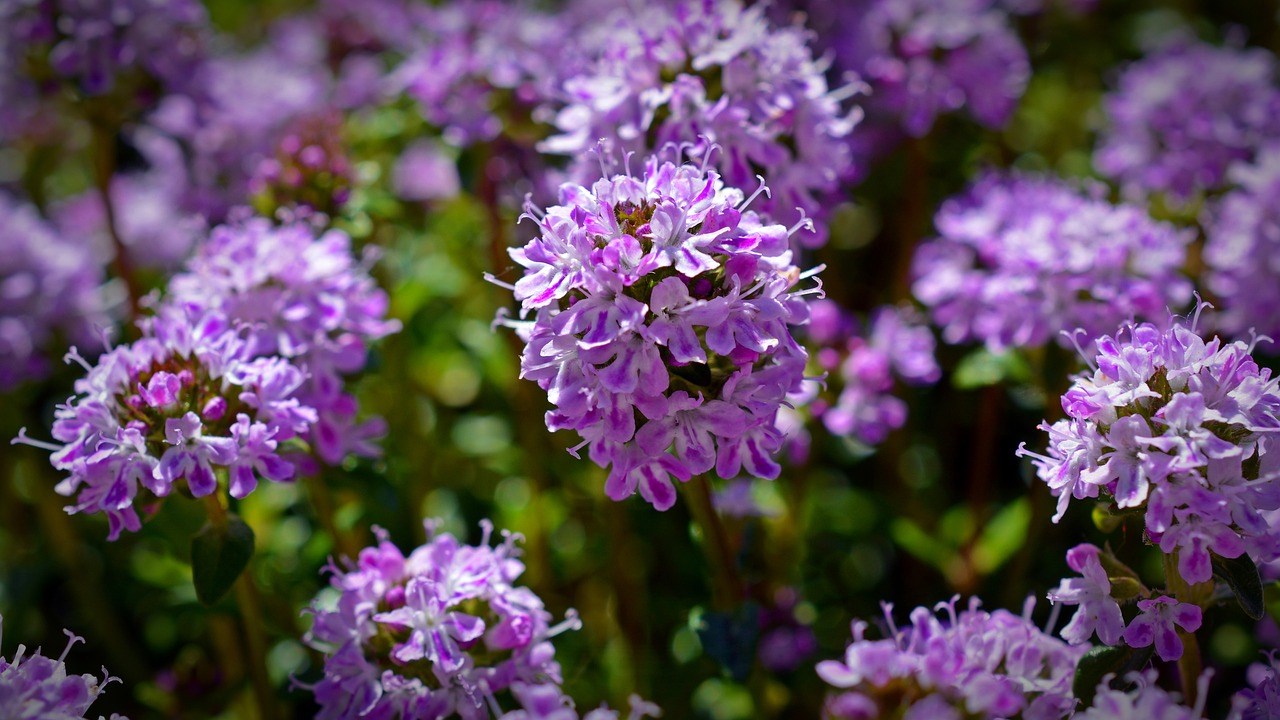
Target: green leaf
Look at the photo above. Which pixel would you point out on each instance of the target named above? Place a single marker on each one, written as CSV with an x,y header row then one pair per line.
x,y
982,367
924,546
1002,536
1241,575
218,556
1102,661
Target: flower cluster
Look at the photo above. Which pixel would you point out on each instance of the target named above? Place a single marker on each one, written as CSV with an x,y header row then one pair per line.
x,y
1145,700
249,102
1181,427
968,663
482,67
431,635
48,286
693,74
39,688
184,404
1242,249
1022,259
924,58
897,347
303,297
662,314
310,169
1156,623
1179,117
101,46
547,702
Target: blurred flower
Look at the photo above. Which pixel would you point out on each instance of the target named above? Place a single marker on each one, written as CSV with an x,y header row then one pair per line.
x,y
1021,259
1181,427
865,370
438,633
1145,700
661,326
39,688
785,641
51,293
132,51
1242,248
969,663
309,169
923,58
480,67
1261,700
424,172
301,295
184,404
250,100
1180,116
690,75
548,702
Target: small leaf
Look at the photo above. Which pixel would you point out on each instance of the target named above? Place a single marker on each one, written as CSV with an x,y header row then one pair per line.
x,y
1002,536
982,367
218,556
1105,520
730,638
1241,575
923,545
1102,661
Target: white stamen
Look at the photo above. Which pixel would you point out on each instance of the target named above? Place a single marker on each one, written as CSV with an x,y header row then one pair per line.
x,y
763,188
23,439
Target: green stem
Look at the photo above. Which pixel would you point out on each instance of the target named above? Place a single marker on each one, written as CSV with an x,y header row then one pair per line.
x,y
1190,664
322,504
104,169
249,603
727,587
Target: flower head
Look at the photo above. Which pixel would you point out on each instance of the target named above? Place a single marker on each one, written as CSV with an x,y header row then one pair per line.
x,y
658,318
178,407
695,74
1145,700
1020,259
1261,700
1180,116
437,633
1182,428
36,687
960,664
302,296
1097,611
923,58
1156,623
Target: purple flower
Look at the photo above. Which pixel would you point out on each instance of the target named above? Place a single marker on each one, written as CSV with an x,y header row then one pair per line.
x,y
309,168
866,370
1180,116
1145,700
448,613
425,172
1156,624
1182,428
923,58
696,75
1242,247
36,687
1021,259
104,46
179,405
1097,611
657,313
303,296
547,702
49,286
1261,700
962,664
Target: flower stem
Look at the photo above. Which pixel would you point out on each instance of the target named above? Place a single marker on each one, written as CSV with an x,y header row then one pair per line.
x,y
322,504
249,603
1190,664
727,584
104,170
